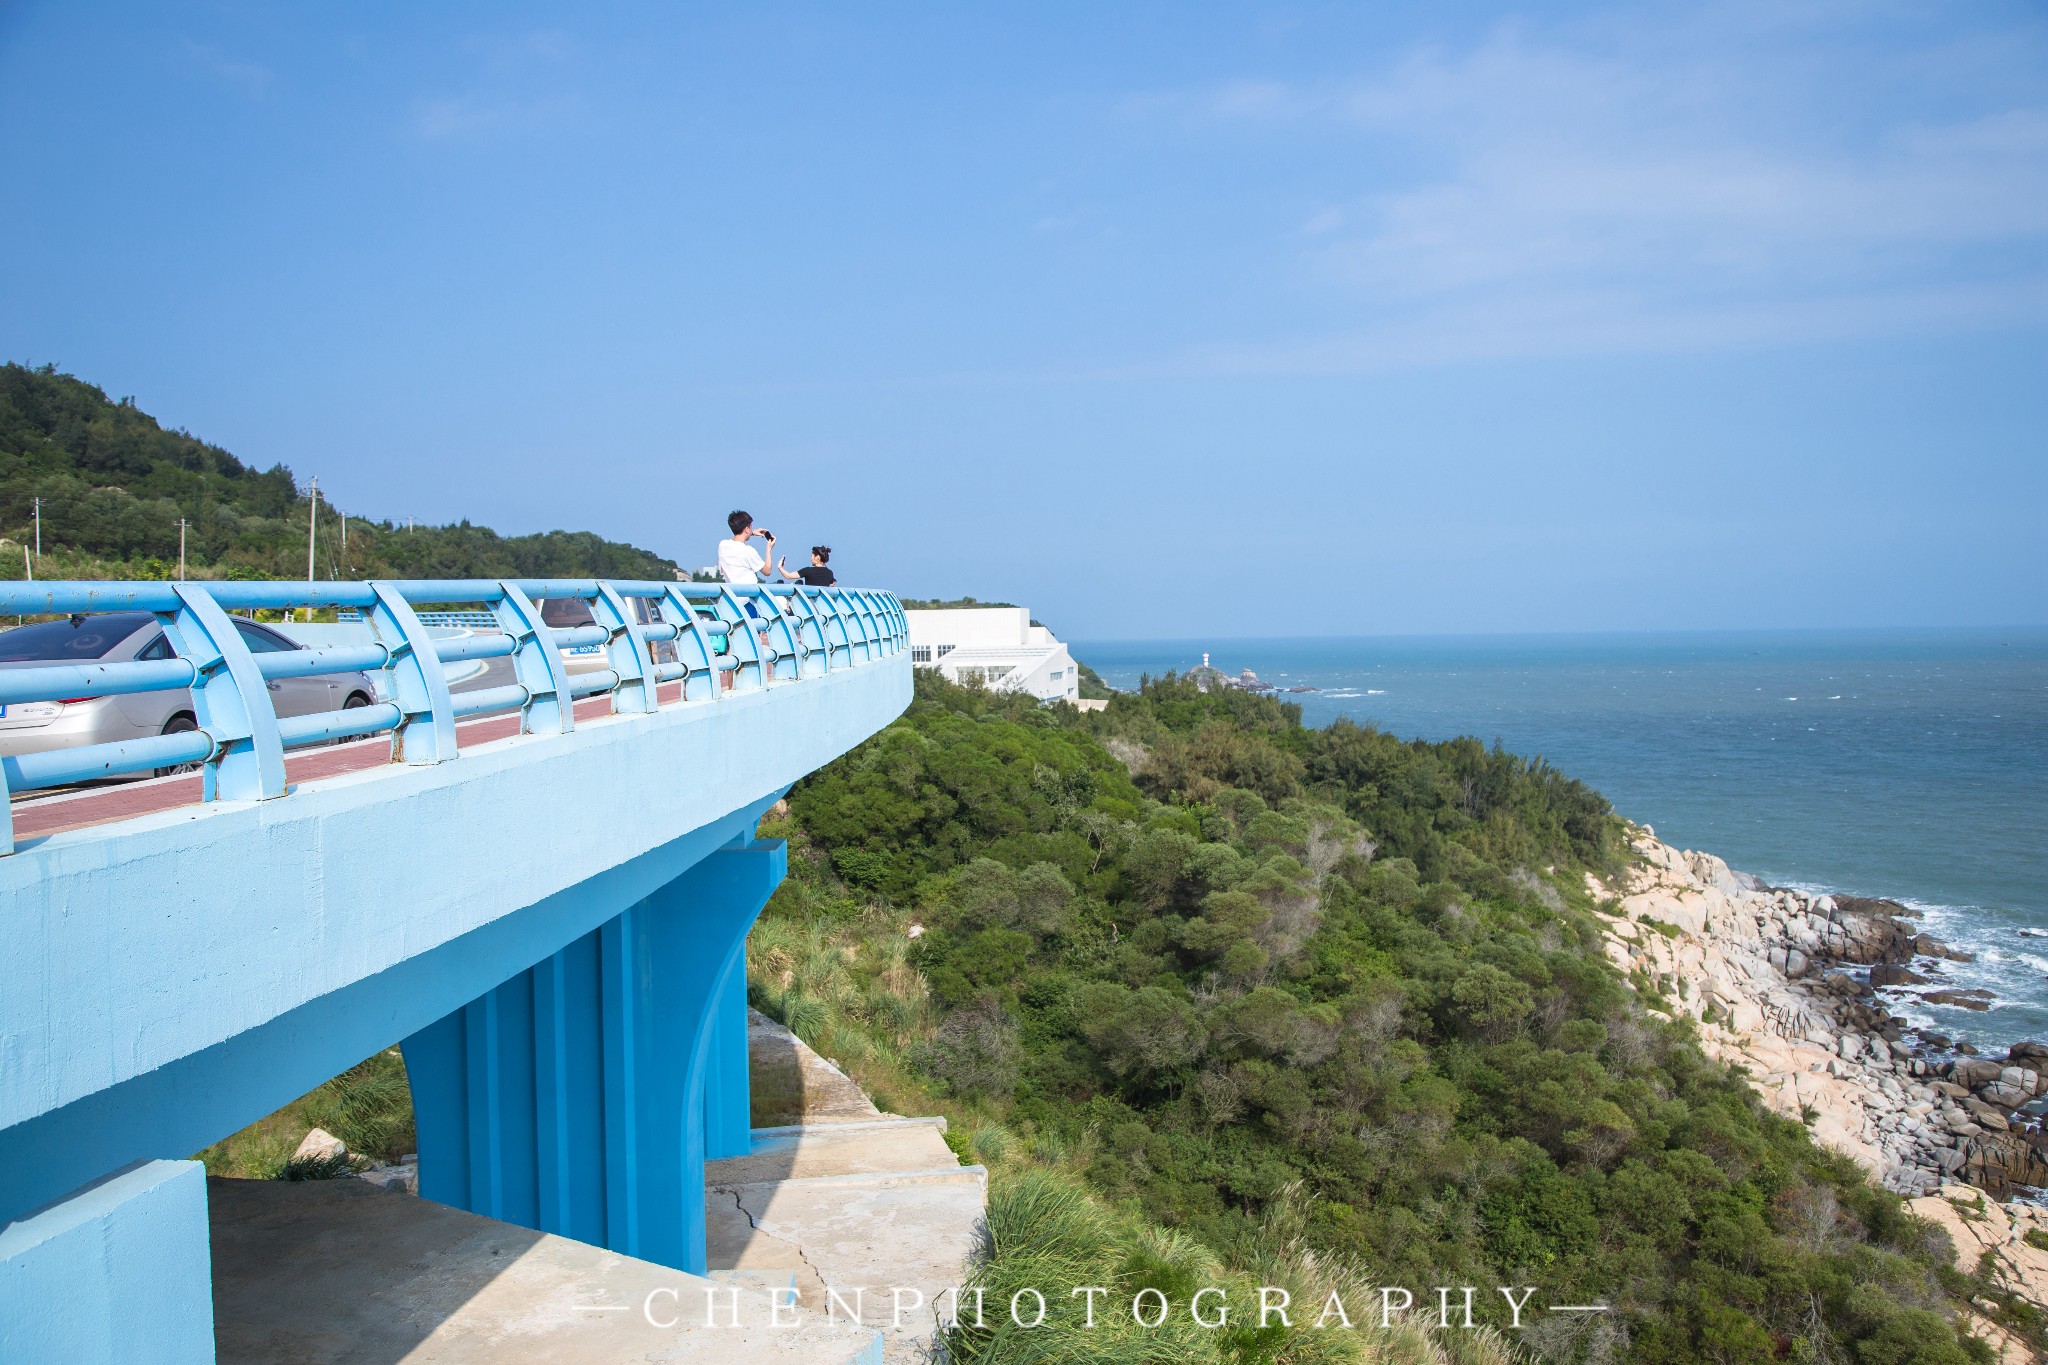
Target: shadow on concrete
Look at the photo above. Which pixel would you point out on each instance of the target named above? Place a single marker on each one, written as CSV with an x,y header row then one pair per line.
x,y
339,1272
335,1271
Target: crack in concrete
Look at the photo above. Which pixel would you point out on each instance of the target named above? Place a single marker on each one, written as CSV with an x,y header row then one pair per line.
x,y
797,1247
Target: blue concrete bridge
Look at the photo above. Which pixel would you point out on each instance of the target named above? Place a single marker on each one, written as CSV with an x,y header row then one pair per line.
x,y
540,889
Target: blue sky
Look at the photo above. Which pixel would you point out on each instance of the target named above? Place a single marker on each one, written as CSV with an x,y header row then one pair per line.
x,y
1168,320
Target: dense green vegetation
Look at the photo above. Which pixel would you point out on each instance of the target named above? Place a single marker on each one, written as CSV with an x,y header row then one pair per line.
x,y
1223,973
114,485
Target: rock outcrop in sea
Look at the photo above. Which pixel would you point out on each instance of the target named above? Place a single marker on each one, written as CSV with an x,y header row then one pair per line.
x,y
1786,985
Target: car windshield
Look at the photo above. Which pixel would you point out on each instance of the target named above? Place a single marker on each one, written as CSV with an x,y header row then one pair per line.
x,y
74,640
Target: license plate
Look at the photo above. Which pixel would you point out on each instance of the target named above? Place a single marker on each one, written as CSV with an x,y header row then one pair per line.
x,y
586,649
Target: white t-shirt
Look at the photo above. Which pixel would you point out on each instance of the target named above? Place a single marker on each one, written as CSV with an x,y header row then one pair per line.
x,y
739,561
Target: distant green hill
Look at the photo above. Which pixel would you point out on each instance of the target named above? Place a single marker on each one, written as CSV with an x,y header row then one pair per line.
x,y
114,484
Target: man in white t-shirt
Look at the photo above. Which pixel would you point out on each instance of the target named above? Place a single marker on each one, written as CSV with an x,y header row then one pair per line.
x,y
738,560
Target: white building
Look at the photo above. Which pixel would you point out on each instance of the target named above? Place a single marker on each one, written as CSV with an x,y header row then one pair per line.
x,y
997,647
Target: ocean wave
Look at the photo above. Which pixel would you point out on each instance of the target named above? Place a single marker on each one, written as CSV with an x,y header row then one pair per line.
x,y
2016,978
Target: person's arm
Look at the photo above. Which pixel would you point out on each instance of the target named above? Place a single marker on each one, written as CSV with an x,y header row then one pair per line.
x,y
783,569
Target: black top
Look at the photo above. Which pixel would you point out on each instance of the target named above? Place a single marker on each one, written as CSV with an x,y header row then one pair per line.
x,y
816,576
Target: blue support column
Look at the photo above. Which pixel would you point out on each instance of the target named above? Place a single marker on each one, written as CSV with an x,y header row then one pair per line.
x,y
574,1097
117,1273
728,1092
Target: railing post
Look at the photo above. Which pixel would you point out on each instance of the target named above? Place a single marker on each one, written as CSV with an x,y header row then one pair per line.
x,y
686,620
864,612
772,601
839,619
627,650
537,664
229,700
899,624
885,628
812,626
743,625
417,680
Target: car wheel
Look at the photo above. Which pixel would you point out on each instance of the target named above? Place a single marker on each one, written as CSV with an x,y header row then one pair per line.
x,y
355,701
180,724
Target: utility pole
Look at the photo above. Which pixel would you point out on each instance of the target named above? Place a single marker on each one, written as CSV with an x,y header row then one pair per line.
x,y
312,527
181,549
39,530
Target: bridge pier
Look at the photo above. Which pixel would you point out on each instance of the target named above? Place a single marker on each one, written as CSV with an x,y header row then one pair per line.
x,y
115,1273
582,1096
728,1088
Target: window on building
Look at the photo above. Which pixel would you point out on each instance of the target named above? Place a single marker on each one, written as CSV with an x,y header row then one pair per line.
x,y
920,654
1058,673
985,674
944,650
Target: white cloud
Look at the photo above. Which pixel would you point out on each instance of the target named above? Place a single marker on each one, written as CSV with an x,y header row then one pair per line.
x,y
1724,179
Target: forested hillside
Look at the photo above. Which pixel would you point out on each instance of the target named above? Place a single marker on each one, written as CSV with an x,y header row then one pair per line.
x,y
1214,994
114,485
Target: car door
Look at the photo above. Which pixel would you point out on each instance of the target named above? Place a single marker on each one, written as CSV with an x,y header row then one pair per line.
x,y
291,696
148,712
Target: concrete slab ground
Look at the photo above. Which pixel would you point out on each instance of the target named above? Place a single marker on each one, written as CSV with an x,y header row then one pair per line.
x,y
794,1085
340,1272
842,1199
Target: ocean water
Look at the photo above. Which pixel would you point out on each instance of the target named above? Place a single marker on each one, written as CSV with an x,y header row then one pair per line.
x,y
1906,764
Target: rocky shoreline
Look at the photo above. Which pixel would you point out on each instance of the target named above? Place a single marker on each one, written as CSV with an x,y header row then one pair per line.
x,y
1789,985
1793,988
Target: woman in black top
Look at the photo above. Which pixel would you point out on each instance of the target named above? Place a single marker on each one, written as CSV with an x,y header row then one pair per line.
x,y
815,574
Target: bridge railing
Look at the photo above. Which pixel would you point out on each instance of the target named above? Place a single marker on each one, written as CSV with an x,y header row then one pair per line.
x,y
712,640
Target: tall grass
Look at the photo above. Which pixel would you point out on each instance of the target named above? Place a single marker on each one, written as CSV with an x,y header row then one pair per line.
x,y
368,1106
1049,1234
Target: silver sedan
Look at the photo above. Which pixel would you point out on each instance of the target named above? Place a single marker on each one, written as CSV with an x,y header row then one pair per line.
x,y
119,637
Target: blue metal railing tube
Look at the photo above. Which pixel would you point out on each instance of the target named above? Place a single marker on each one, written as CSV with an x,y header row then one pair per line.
x,y
493,645
62,681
